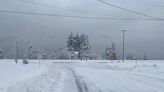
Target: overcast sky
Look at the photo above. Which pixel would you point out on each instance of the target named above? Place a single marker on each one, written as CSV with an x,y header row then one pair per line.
x,y
141,36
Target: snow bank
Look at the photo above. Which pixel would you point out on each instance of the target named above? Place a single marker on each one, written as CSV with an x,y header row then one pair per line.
x,y
51,81
10,73
146,67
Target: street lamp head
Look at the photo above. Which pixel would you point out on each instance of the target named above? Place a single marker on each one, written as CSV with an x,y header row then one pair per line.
x,y
124,30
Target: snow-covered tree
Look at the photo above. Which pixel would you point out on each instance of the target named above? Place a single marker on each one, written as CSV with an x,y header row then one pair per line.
x,y
78,43
70,42
110,53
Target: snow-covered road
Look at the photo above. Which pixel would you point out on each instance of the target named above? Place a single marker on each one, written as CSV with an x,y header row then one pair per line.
x,y
117,82
84,77
101,78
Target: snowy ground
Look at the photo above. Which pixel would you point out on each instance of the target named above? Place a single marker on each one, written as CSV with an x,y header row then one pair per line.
x,y
77,76
11,73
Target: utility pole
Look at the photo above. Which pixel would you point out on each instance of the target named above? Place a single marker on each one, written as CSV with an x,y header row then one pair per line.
x,y
16,53
29,50
39,55
123,53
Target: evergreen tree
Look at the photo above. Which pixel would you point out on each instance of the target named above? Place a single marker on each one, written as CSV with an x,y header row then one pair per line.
x,y
77,43
70,42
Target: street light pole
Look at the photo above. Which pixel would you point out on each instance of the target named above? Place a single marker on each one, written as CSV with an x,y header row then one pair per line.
x,y
123,54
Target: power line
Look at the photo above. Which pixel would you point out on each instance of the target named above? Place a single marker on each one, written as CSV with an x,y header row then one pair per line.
x,y
67,9
45,5
138,13
138,4
74,16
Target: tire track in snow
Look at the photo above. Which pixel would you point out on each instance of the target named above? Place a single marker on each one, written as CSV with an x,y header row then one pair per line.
x,y
81,86
81,83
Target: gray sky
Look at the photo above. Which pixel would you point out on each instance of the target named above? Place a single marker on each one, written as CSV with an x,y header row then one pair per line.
x,y
141,36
